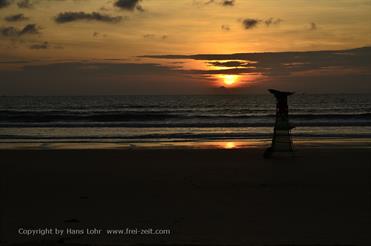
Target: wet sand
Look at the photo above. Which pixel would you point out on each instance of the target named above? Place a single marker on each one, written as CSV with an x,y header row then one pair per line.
x,y
203,196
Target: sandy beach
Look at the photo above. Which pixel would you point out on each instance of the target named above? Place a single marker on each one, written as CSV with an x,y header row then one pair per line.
x,y
187,196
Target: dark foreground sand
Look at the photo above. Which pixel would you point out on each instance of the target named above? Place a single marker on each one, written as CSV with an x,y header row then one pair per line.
x,y
204,197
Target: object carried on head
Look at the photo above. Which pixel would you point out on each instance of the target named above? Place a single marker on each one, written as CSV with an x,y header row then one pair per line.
x,y
281,141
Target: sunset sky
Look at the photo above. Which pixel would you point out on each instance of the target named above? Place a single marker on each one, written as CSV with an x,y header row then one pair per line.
x,y
78,47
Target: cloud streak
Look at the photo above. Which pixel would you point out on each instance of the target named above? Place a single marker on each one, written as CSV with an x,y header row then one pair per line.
x,y
40,46
272,21
229,64
251,23
15,32
16,17
67,17
154,36
129,5
225,3
228,2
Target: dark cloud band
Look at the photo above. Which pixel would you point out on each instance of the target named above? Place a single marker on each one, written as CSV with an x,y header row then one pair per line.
x,y
281,63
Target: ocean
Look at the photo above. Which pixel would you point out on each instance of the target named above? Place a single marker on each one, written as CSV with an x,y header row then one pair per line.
x,y
158,119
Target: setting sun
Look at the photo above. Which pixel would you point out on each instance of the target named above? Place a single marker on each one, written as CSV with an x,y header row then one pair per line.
x,y
229,145
229,79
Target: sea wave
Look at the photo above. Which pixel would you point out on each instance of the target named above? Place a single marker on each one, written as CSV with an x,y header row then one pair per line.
x,y
16,118
177,125
119,115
